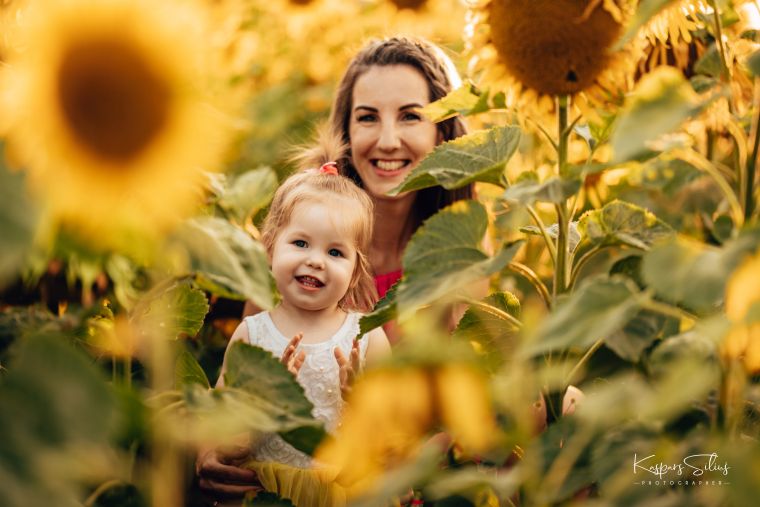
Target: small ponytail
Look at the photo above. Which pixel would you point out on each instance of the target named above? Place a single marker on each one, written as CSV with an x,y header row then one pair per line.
x,y
327,146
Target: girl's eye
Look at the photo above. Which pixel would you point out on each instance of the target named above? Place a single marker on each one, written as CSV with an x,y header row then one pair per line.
x,y
300,243
334,252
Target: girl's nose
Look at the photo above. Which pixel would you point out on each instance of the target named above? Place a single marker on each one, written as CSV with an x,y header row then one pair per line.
x,y
389,137
315,261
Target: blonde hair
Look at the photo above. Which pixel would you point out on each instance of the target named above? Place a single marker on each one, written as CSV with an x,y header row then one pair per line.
x,y
312,185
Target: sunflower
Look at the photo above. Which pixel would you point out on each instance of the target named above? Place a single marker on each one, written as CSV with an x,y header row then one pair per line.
x,y
409,4
111,115
535,51
742,342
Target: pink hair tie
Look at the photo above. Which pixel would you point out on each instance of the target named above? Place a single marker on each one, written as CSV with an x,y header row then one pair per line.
x,y
329,168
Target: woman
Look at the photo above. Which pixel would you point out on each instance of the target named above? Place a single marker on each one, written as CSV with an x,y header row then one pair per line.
x,y
376,112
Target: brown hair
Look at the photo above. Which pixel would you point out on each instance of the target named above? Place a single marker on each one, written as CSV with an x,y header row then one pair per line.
x,y
438,71
312,185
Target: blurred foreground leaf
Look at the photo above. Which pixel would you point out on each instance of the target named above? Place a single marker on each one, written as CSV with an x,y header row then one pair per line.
x,y
265,378
227,261
385,310
599,307
56,413
554,190
662,100
465,100
486,325
444,255
480,156
248,193
177,311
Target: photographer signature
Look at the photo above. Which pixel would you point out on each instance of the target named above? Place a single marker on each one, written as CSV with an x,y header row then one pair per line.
x,y
697,464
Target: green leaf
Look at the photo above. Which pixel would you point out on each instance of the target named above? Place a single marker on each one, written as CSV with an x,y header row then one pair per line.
x,y
487,326
385,311
598,308
470,481
660,103
709,63
18,221
622,223
187,371
56,414
465,100
645,11
555,190
637,335
753,62
687,273
248,193
227,261
178,311
479,156
444,255
276,393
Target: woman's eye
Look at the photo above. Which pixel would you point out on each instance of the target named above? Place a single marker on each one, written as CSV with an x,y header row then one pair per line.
x,y
411,116
300,243
334,252
365,118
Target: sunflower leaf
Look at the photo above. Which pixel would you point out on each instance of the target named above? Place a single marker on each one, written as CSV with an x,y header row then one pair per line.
x,y
753,62
601,306
554,190
475,157
385,310
227,261
248,193
261,375
187,371
663,99
486,325
692,274
465,100
622,223
18,221
178,311
444,255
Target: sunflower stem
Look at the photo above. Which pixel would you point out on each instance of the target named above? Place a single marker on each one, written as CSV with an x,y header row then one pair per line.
x,y
560,266
534,280
749,197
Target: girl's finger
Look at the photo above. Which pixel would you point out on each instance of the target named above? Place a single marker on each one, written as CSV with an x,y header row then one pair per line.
x,y
298,362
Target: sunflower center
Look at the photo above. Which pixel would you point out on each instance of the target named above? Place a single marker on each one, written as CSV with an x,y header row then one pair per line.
x,y
556,47
113,100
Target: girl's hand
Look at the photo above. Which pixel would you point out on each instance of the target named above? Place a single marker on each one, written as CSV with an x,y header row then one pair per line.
x,y
292,360
349,368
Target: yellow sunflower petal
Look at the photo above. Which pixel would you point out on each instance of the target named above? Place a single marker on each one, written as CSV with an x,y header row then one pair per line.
x,y
752,353
110,112
742,289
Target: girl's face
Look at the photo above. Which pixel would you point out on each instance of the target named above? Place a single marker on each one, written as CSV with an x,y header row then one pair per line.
x,y
389,136
314,256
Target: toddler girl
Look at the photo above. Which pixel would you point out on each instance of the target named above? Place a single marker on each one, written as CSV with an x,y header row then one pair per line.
x,y
316,235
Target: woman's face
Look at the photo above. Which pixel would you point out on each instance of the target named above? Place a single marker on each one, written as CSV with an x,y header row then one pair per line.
x,y
389,136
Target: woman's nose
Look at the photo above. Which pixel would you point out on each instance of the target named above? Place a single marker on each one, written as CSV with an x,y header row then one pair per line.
x,y
389,137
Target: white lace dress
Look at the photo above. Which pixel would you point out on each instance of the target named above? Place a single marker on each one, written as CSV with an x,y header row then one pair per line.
x,y
318,376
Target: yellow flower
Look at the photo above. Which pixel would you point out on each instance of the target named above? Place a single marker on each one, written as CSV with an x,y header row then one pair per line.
x,y
742,292
392,411
111,115
534,51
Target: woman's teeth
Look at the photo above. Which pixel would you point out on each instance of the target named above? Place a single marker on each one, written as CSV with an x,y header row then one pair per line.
x,y
390,165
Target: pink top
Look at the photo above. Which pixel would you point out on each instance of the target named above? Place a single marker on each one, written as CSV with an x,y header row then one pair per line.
x,y
386,281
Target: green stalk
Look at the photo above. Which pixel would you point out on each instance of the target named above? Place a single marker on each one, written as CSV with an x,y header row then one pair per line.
x,y
560,266
542,229
749,197
534,280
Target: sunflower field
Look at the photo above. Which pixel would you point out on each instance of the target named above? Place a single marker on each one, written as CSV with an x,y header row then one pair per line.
x,y
614,145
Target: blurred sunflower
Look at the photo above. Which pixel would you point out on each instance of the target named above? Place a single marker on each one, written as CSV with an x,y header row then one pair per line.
x,y
110,115
402,407
742,342
409,4
537,50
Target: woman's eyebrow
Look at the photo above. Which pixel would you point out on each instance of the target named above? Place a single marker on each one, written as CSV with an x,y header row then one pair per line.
x,y
368,108
413,105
